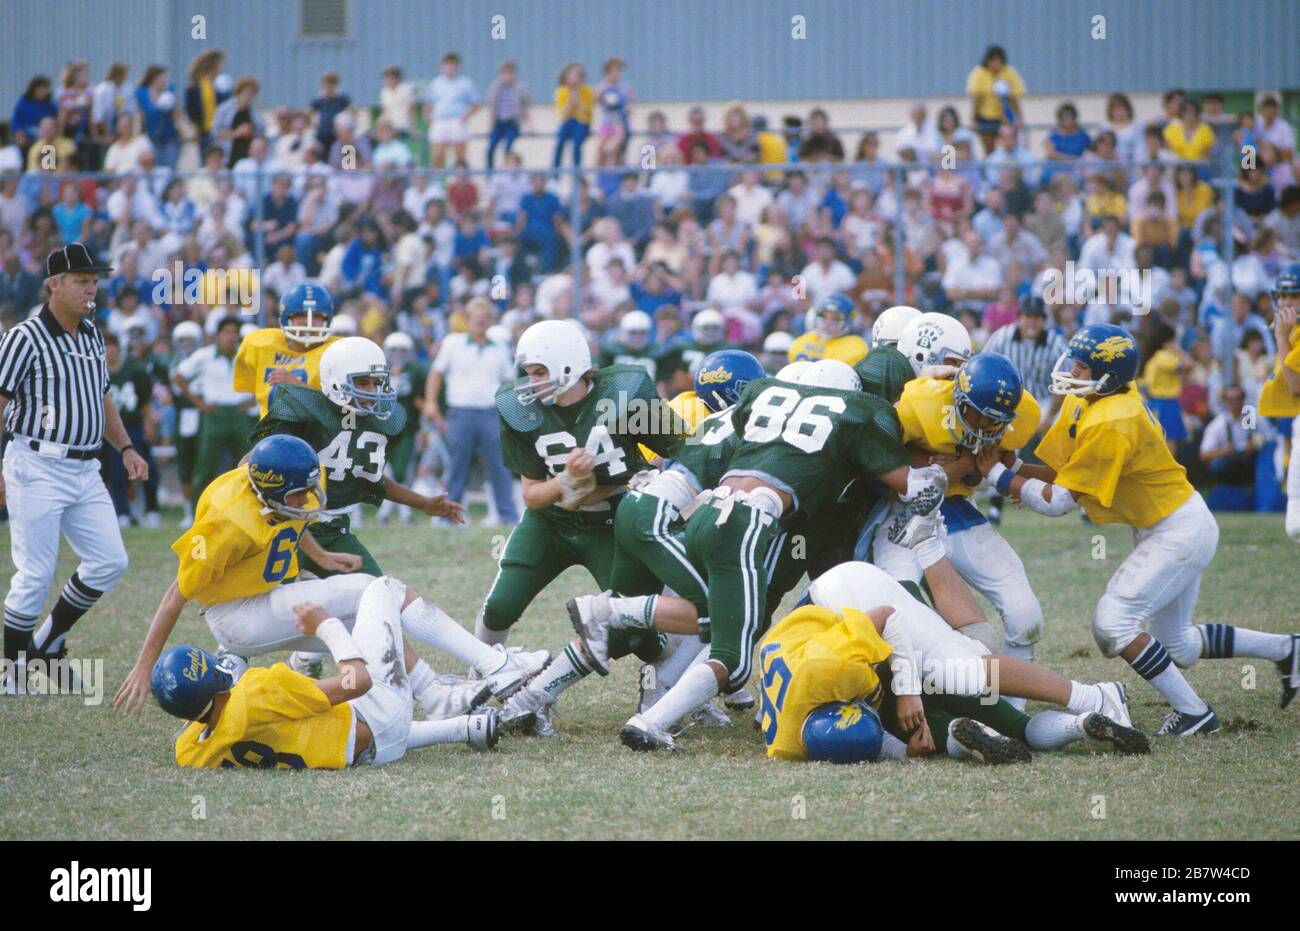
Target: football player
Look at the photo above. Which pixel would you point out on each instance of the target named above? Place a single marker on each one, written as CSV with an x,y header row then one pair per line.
x,y
571,432
648,553
856,617
409,375
828,335
187,337
277,719
801,444
630,343
935,345
1107,453
677,362
244,543
950,420
289,353
1280,396
885,370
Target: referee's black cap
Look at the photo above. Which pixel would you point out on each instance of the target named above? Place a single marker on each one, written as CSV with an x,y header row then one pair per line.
x,y
1033,306
74,257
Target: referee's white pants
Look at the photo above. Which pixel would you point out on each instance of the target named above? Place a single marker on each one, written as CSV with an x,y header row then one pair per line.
x,y
1158,584
388,706
265,623
48,497
986,561
1293,485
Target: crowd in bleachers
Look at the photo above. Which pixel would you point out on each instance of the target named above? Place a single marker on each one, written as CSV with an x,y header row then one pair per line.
x,y
670,220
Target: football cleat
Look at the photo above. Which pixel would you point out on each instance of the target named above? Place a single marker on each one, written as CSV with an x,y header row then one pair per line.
x,y
528,712
1290,670
1121,739
590,617
739,700
50,661
642,736
912,526
454,696
516,671
707,715
1182,724
986,744
309,664
484,730
1114,703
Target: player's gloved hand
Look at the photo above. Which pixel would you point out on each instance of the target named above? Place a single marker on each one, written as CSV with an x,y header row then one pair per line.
x,y
340,562
134,691
440,506
642,478
577,480
911,713
946,372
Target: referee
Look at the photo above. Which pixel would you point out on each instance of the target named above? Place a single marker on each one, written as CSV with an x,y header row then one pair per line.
x,y
57,412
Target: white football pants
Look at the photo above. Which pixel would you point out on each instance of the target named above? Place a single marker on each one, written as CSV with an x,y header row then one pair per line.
x,y
265,623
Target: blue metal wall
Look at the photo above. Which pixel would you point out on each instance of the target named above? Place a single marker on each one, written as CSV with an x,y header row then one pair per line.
x,y
686,49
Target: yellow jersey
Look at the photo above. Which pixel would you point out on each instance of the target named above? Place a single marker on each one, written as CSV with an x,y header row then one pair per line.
x,y
1276,399
1194,149
266,350
849,349
979,84
586,102
929,420
1160,376
1112,456
274,719
690,408
233,550
811,657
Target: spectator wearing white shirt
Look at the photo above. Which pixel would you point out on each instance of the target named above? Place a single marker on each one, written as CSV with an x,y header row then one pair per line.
x,y
285,272
669,185
972,277
1014,243
124,154
1153,179
419,194
826,274
751,198
1279,139
732,288
1227,446
612,289
452,101
609,244
252,175
132,201
473,367
919,135
397,102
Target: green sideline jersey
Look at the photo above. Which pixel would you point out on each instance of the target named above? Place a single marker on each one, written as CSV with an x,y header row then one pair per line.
x,y
621,410
811,442
883,372
618,353
131,388
352,453
409,383
685,357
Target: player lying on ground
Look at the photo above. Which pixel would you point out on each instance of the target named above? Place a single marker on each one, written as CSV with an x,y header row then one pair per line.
x,y
1107,453
855,617
277,718
244,543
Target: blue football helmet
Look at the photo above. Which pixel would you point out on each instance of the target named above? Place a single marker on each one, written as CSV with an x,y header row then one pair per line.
x,y
313,299
1288,282
186,679
1111,355
843,732
988,384
830,305
280,465
723,375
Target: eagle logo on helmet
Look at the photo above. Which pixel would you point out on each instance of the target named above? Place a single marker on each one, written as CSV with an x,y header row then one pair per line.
x,y
847,715
715,376
963,380
267,478
1112,348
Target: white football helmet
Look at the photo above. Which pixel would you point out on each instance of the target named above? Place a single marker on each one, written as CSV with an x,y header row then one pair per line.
x,y
831,373
560,346
793,372
348,359
634,329
343,325
890,324
399,347
934,339
778,343
187,337
708,327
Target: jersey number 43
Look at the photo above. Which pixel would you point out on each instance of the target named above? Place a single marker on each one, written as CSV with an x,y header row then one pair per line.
x,y
338,456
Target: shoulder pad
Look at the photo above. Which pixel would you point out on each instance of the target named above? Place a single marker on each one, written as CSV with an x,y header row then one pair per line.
x,y
522,418
615,378
393,426
294,403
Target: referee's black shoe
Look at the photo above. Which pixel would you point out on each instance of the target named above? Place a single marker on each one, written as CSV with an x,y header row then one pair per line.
x,y
55,667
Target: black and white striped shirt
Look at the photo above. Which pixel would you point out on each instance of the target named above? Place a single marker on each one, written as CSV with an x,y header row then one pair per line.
x,y
1033,359
55,381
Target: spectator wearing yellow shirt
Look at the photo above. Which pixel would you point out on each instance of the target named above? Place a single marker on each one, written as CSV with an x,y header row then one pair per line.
x,y
1162,380
575,101
1193,196
1187,137
772,149
1103,200
995,89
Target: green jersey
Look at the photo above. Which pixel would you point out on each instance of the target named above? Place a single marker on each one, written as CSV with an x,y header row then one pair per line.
x,y
409,383
352,447
810,442
621,410
131,388
617,353
707,454
884,372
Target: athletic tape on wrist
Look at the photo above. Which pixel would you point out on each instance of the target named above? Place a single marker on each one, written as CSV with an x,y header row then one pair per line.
x,y
336,638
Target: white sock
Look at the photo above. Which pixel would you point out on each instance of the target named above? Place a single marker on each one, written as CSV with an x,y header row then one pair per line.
x,y
487,635
1083,698
1048,730
670,669
427,733
891,748
423,684
1178,691
696,686
430,624
637,611
560,673
1220,641
42,632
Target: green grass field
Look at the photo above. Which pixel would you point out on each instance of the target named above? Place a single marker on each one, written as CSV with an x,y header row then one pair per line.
x,y
72,771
